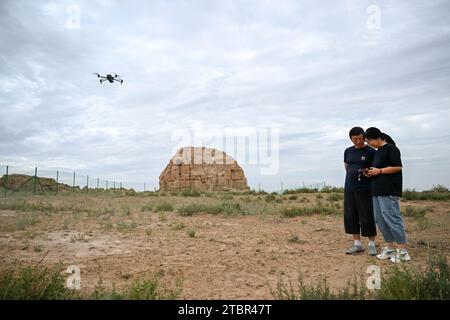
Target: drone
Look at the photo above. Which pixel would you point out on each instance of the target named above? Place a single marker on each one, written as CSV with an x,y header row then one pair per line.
x,y
110,78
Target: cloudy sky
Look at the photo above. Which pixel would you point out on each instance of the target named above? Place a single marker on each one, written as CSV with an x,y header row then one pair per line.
x,y
301,72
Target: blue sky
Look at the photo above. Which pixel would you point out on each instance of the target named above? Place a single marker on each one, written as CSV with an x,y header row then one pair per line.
x,y
308,70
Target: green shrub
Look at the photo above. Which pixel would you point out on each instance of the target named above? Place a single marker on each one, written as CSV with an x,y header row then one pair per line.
x,y
146,207
300,190
411,283
164,207
317,291
329,189
33,283
125,227
178,226
162,216
335,197
417,213
190,193
227,197
399,283
191,233
226,207
426,195
307,211
191,209
151,289
140,289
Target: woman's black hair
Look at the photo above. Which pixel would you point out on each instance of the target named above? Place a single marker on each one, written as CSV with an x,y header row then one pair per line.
x,y
375,133
388,139
356,131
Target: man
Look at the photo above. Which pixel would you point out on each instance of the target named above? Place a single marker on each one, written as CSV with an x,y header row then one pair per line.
x,y
386,176
358,207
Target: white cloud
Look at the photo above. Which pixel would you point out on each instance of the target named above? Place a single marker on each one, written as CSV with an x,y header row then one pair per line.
x,y
312,69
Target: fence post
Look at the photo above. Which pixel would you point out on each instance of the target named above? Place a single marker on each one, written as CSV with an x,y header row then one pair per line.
x,y
106,184
97,183
5,182
87,184
57,180
73,183
35,179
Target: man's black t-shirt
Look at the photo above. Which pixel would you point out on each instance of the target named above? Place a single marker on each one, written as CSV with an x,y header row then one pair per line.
x,y
357,159
387,184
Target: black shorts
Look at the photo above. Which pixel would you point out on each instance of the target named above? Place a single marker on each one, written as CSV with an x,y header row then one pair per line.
x,y
358,213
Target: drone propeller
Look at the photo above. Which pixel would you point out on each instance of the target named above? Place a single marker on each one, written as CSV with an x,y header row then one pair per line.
x,y
96,74
116,75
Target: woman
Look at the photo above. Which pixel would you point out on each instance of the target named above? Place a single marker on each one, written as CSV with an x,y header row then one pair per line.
x,y
386,186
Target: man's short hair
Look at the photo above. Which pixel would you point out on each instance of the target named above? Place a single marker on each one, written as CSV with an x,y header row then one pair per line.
x,y
356,131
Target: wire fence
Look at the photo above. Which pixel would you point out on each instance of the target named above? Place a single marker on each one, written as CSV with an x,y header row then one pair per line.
x,y
14,179
41,180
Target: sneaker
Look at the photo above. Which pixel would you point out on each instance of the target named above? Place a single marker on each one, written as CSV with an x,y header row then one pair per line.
x,y
401,255
386,253
372,250
354,249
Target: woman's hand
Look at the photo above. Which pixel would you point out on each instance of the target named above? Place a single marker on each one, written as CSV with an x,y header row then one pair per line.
x,y
373,172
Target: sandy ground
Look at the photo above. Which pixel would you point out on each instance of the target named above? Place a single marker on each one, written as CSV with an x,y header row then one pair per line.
x,y
229,257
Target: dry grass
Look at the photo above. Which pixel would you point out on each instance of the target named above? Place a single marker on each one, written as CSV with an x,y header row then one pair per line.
x,y
251,235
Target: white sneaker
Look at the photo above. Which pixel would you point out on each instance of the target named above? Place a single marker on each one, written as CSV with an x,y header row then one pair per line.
x,y
401,255
372,249
386,253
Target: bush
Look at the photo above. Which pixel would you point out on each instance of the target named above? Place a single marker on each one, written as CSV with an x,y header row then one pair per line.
x,y
300,190
226,207
190,209
426,195
140,289
335,197
164,207
409,283
228,197
33,283
417,213
191,233
41,283
125,227
146,207
328,189
151,289
307,211
190,193
399,283
318,291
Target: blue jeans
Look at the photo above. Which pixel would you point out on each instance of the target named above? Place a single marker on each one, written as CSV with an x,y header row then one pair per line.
x,y
386,210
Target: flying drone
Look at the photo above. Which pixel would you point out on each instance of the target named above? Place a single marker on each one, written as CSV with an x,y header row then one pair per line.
x,y
110,78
